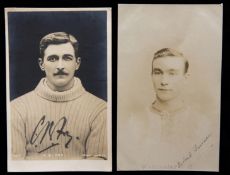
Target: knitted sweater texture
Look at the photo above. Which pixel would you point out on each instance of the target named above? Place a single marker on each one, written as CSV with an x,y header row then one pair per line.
x,y
46,124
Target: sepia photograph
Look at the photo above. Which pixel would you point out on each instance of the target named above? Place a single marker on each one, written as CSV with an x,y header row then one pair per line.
x,y
169,85
58,72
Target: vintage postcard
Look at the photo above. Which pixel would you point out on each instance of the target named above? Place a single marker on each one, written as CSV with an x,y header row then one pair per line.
x,y
169,84
58,89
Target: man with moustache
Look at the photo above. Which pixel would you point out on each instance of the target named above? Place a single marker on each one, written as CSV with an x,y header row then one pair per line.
x,y
167,133
59,119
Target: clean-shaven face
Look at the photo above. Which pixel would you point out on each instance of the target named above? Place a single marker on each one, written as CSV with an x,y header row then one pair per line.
x,y
168,77
59,64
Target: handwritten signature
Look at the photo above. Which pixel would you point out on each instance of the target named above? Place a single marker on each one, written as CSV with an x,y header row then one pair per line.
x,y
48,128
196,148
186,157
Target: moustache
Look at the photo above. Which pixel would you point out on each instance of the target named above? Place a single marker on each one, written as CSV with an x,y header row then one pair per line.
x,y
60,72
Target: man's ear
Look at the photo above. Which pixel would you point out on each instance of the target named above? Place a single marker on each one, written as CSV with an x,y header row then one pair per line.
x,y
40,62
78,62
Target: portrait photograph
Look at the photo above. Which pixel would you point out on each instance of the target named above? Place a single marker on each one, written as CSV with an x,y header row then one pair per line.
x,y
169,87
58,83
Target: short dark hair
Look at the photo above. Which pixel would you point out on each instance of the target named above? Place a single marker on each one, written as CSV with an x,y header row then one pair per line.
x,y
170,52
58,38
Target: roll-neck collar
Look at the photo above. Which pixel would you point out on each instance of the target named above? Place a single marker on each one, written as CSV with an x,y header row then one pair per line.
x,y
168,113
45,92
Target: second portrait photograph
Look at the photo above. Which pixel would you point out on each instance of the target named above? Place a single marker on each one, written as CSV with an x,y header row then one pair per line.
x,y
169,82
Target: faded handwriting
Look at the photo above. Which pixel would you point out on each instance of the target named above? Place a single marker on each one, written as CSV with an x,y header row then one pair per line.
x,y
196,147
184,159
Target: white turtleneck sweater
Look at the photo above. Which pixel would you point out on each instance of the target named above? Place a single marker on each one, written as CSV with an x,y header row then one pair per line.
x,y
47,124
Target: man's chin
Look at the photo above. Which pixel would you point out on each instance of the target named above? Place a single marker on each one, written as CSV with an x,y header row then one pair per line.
x,y
164,98
61,85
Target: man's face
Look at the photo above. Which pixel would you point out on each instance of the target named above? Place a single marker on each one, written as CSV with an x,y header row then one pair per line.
x,y
59,64
168,77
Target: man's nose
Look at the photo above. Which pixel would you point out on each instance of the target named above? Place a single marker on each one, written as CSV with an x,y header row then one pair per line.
x,y
164,80
60,64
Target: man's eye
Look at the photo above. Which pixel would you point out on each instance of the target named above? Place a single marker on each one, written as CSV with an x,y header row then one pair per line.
x,y
156,72
68,58
52,58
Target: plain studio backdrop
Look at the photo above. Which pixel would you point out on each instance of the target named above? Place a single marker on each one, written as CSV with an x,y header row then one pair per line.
x,y
26,28
194,30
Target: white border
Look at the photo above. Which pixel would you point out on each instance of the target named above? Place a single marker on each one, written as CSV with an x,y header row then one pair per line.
x,y
61,165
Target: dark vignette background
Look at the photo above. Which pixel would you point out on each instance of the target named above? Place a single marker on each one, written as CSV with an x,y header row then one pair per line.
x,y
25,32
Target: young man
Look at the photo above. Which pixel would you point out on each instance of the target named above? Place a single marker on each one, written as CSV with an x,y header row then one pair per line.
x,y
59,119
168,134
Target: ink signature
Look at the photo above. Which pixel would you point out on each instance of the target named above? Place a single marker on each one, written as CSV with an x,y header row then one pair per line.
x,y
185,158
48,128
